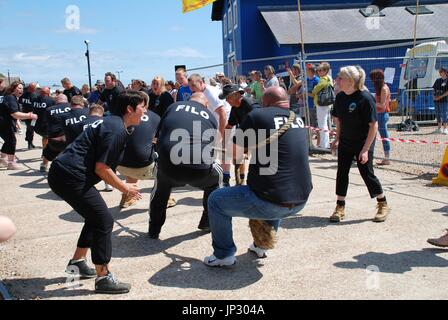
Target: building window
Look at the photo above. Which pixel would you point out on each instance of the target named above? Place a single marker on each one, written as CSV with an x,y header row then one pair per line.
x,y
235,14
224,20
371,12
421,10
416,68
230,20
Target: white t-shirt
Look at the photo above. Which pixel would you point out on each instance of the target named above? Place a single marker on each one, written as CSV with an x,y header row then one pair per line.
x,y
214,103
272,83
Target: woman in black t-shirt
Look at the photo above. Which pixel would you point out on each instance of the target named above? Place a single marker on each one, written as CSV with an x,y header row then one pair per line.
x,y
441,100
159,98
9,114
355,116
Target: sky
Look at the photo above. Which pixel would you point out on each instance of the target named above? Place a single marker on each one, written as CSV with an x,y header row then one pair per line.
x,y
43,41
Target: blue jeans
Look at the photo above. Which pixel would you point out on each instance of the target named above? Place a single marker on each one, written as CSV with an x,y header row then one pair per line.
x,y
240,201
442,112
383,119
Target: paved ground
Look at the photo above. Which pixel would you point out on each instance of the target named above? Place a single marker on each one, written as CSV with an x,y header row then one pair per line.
x,y
314,259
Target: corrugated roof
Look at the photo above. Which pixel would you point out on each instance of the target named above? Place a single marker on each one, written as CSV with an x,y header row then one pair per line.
x,y
349,25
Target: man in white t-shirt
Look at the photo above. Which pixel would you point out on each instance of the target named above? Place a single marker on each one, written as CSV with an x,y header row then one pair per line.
x,y
220,108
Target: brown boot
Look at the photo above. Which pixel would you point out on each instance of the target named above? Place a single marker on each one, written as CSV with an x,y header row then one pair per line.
x,y
171,203
338,214
383,211
441,242
127,202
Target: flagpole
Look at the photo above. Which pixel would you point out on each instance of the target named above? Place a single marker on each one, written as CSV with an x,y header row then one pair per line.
x,y
234,72
301,28
417,9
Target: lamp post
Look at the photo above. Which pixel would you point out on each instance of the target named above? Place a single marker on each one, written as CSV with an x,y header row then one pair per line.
x,y
88,64
9,78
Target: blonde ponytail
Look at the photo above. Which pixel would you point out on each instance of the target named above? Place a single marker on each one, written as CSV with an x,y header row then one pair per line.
x,y
357,74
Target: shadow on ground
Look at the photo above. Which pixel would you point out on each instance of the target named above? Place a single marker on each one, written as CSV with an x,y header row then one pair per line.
x,y
308,222
185,272
442,210
401,262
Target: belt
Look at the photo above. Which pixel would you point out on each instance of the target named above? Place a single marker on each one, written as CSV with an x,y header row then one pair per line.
x,y
265,198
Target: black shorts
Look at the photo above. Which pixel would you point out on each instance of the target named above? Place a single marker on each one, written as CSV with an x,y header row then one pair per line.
x,y
53,149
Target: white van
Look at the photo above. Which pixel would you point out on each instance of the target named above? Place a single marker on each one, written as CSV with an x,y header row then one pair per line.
x,y
424,70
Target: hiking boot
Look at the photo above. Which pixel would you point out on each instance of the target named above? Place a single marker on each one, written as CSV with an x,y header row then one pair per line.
x,y
171,203
14,166
110,285
338,214
383,211
261,253
441,242
31,146
127,202
81,269
203,224
212,261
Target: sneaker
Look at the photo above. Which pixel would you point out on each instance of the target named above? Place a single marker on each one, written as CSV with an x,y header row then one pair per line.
x,y
3,163
110,285
171,203
261,253
43,168
441,242
108,188
446,131
384,162
338,214
127,202
212,261
81,269
14,166
438,131
383,211
203,224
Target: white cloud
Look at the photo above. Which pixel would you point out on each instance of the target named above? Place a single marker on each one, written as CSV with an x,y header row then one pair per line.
x,y
184,52
177,29
24,57
81,30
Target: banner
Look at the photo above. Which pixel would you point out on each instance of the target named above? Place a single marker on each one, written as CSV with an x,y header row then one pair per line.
x,y
190,5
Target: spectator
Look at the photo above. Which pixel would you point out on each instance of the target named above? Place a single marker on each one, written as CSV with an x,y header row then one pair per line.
x,y
255,88
159,98
70,90
295,83
382,94
110,93
96,93
312,80
2,87
184,91
323,112
242,81
85,90
171,87
441,100
271,78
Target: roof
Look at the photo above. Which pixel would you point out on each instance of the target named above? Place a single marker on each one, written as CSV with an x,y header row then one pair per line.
x,y
349,25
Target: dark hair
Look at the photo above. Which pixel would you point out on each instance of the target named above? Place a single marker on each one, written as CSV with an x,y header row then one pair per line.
x,y
128,98
377,76
12,87
111,75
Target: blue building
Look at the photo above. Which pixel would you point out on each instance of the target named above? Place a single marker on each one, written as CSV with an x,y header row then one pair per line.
x,y
258,29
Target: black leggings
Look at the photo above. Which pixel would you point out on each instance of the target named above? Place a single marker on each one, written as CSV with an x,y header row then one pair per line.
x,y
345,160
10,141
87,201
208,180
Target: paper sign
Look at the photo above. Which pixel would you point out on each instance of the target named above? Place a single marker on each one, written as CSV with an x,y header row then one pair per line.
x,y
389,75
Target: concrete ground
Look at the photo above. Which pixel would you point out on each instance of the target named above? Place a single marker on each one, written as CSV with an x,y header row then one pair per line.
x,y
356,259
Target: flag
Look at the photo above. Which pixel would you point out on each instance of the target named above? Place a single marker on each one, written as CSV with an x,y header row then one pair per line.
x,y
190,5
384,3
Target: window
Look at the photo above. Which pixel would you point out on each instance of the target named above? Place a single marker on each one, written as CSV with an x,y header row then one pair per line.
x,y
224,21
416,68
235,14
441,61
421,10
371,12
230,20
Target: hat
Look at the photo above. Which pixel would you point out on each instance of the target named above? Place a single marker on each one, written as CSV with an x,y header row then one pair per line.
x,y
99,83
229,89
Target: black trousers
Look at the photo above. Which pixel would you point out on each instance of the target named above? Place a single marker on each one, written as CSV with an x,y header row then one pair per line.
x,y
87,201
9,138
170,177
345,160
29,135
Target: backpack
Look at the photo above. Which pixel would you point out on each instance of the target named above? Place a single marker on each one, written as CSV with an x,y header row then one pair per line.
x,y
326,96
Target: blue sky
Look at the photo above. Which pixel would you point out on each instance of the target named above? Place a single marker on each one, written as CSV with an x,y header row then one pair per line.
x,y
140,37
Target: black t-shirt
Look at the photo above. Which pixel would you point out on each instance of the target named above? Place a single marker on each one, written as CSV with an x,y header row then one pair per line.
x,y
180,121
73,91
74,117
40,106
55,117
238,115
139,149
109,96
287,179
159,104
103,142
355,112
27,101
440,87
73,131
8,106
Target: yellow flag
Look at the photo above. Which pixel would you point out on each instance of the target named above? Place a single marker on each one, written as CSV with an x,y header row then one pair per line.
x,y
190,5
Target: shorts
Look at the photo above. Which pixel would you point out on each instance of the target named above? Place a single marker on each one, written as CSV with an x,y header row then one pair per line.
x,y
442,112
145,173
53,149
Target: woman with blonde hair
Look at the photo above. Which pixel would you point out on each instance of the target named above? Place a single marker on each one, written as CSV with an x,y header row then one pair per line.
x,y
159,99
355,116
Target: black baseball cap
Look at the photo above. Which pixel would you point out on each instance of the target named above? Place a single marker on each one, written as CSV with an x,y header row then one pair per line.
x,y
229,89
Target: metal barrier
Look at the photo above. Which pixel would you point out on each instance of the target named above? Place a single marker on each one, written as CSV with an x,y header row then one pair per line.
x,y
417,105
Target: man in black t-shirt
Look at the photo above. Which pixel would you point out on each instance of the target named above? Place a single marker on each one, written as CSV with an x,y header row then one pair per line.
x,y
70,90
277,187
27,101
73,130
185,143
108,98
241,107
441,100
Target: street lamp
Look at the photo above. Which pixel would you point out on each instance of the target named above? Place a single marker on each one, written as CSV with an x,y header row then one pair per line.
x,y
119,73
9,78
88,63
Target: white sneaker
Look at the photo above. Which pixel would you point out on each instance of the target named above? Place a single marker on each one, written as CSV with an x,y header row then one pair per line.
x,y
108,188
439,131
261,253
3,163
212,261
14,166
446,131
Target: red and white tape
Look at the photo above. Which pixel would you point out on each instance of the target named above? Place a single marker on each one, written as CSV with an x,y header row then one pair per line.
x,y
386,139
